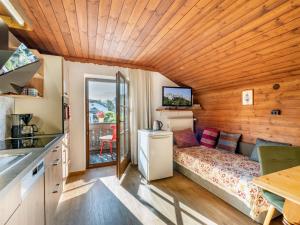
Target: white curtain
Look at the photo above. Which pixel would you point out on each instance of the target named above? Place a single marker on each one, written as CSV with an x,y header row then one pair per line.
x,y
140,106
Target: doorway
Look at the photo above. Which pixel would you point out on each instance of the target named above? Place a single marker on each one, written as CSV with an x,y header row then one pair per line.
x,y
101,146
107,123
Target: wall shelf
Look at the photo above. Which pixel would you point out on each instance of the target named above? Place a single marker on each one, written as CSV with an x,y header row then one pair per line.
x,y
177,110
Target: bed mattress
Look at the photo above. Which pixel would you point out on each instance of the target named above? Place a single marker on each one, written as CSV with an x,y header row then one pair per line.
x,y
230,172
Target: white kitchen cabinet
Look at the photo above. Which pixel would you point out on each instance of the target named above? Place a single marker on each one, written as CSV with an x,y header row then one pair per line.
x,y
155,158
53,181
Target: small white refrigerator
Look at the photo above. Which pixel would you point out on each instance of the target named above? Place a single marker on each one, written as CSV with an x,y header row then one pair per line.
x,y
155,154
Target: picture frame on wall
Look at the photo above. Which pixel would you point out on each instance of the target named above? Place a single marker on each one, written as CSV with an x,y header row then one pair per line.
x,y
247,97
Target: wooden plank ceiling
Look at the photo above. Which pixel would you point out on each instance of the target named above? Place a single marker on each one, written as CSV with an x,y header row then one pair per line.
x,y
205,44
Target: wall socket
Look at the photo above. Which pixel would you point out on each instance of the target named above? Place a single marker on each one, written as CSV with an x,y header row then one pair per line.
x,y
276,112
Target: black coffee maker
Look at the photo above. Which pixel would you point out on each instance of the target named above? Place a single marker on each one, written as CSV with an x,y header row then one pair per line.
x,y
20,126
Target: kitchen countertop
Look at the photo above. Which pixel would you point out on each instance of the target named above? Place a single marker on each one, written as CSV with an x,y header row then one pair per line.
x,y
13,175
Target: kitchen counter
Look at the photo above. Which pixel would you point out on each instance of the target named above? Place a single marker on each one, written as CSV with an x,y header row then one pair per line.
x,y
13,175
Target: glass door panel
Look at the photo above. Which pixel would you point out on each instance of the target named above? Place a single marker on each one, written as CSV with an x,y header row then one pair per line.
x,y
123,143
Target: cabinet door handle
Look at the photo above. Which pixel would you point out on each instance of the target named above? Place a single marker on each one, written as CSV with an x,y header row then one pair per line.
x,y
55,192
56,162
54,150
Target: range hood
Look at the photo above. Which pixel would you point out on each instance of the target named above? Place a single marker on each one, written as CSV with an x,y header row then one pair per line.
x,y
17,67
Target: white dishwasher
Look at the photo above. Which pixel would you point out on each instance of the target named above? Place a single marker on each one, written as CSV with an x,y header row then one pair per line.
x,y
155,154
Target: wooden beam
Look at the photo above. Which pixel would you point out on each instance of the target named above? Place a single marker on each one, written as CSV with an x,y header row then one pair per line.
x,y
11,23
110,63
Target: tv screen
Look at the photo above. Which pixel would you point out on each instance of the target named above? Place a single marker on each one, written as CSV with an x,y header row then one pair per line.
x,y
21,57
177,96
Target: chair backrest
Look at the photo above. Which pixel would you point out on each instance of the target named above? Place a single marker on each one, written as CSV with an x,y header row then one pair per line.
x,y
273,159
114,132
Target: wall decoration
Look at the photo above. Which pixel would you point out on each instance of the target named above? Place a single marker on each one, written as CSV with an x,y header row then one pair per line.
x,y
247,97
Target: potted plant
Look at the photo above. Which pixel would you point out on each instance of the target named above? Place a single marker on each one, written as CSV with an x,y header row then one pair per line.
x,y
100,116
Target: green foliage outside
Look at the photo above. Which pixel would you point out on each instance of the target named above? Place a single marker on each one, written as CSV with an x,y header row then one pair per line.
x,y
110,117
176,101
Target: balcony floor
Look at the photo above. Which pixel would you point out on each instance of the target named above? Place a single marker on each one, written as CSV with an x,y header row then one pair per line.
x,y
95,157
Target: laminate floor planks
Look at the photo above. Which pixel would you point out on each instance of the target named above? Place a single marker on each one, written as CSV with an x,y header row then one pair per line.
x,y
98,198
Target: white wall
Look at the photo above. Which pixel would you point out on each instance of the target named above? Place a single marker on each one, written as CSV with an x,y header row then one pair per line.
x,y
47,111
77,73
6,108
157,82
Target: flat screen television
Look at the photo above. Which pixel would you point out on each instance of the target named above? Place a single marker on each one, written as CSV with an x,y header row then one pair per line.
x,y
177,96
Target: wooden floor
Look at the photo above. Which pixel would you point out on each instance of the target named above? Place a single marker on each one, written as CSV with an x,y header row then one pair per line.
x,y
97,198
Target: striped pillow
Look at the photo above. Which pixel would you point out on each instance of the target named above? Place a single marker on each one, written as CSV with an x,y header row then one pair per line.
x,y
228,141
209,137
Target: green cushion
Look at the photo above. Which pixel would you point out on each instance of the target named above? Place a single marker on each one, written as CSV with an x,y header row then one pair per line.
x,y
275,200
262,142
273,159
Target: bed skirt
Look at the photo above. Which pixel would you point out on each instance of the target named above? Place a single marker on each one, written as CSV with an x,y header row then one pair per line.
x,y
230,199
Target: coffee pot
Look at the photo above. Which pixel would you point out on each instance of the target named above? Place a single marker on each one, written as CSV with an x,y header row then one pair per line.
x,y
157,125
20,126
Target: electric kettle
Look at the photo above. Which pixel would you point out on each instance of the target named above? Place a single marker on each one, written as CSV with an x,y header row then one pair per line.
x,y
157,125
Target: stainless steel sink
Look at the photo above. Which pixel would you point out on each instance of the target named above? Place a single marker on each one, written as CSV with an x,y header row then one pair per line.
x,y
7,161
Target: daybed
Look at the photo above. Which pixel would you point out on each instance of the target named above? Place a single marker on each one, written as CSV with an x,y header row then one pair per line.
x,y
227,175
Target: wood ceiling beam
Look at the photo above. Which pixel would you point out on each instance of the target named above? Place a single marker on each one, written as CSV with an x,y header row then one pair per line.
x,y
110,63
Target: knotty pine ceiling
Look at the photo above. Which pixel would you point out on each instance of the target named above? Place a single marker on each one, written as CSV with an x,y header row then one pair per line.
x,y
205,44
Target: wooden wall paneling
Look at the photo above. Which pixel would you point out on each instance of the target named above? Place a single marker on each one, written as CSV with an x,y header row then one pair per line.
x,y
224,110
70,11
60,14
260,34
209,16
82,20
141,23
168,21
26,12
182,27
246,17
159,12
126,12
207,44
113,18
132,21
54,25
46,30
104,10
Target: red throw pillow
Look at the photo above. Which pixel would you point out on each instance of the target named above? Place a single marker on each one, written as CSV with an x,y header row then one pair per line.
x,y
185,138
209,137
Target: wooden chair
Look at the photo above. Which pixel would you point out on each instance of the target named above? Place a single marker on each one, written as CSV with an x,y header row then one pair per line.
x,y
273,159
110,139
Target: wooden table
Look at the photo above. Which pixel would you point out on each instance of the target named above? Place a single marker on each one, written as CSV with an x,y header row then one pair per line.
x,y
285,183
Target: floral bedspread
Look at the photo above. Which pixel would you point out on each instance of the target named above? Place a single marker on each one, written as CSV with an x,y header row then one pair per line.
x,y
231,172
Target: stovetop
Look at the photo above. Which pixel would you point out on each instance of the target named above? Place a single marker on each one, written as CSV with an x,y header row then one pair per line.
x,y
32,142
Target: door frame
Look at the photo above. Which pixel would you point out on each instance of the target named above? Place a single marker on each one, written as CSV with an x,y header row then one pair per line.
x,y
87,124
122,166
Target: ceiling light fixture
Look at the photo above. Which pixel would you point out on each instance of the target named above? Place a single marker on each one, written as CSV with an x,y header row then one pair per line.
x,y
13,12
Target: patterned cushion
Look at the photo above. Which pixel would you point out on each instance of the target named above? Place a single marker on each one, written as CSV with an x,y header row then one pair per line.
x,y
209,137
185,138
228,141
262,142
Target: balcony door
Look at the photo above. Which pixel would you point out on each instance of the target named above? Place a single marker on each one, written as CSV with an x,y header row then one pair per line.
x,y
101,128
123,130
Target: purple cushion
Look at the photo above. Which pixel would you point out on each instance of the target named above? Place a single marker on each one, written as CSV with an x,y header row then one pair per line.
x,y
209,137
185,138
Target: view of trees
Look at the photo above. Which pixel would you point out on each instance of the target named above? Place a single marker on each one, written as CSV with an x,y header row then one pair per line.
x,y
107,107
176,101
